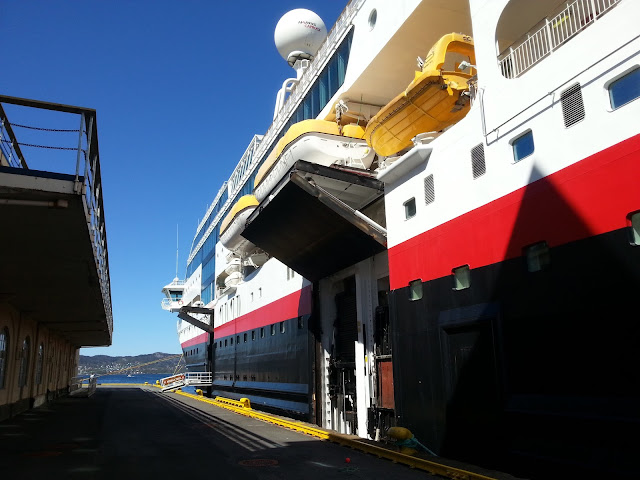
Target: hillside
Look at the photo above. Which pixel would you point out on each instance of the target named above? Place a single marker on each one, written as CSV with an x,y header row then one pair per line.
x,y
100,364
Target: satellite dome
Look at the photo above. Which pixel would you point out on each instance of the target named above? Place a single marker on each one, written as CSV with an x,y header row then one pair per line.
x,y
299,34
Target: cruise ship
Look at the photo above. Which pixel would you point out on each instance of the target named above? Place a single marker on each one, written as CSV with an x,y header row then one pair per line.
x,y
440,230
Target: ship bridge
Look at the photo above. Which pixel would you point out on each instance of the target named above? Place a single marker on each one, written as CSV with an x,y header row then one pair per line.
x,y
319,220
53,248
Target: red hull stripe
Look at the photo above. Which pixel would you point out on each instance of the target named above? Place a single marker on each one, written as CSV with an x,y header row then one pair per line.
x,y
293,305
592,197
203,338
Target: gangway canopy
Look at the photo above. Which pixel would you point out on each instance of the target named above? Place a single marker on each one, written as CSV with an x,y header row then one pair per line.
x,y
319,220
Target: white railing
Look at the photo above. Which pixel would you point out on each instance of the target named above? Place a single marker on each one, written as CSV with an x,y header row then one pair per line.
x,y
245,168
170,304
554,32
199,378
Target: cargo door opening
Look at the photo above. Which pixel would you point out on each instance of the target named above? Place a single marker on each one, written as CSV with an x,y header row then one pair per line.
x,y
342,361
382,413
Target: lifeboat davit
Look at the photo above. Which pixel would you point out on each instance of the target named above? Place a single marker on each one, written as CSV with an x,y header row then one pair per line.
x,y
315,141
233,225
434,100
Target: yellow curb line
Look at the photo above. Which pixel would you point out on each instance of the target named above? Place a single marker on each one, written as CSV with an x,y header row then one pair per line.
x,y
396,457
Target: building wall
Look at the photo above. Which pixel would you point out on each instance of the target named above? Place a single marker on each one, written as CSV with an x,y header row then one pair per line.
x,y
49,371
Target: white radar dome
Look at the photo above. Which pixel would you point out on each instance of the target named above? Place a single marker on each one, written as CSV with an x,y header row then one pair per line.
x,y
299,34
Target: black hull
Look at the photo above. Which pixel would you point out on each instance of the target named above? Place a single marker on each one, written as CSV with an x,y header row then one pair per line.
x,y
529,372
272,370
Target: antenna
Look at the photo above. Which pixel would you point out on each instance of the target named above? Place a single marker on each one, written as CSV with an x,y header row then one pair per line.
x,y
177,249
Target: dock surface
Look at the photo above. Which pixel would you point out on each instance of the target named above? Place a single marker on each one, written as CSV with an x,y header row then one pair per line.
x,y
138,432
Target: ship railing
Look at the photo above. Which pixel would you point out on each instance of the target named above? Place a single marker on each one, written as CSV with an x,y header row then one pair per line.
x,y
550,34
248,164
199,379
168,304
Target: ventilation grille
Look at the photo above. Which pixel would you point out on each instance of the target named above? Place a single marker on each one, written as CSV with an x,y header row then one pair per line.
x,y
477,161
572,105
429,190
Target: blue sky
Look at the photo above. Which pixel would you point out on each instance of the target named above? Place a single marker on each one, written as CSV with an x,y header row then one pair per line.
x,y
180,88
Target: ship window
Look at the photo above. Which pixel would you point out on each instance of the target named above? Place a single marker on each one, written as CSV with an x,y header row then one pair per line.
x,y
572,105
373,17
4,354
262,332
478,166
273,329
282,327
253,335
245,338
238,339
225,342
523,146
300,322
231,342
260,292
429,190
415,290
538,257
625,89
634,220
461,277
410,208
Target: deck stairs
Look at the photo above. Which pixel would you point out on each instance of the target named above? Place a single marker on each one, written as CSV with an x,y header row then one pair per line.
x,y
190,379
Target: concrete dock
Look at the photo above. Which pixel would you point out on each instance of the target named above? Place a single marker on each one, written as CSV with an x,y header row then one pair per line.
x,y
138,432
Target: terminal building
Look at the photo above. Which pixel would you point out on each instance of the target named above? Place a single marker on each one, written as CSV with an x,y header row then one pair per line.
x,y
55,293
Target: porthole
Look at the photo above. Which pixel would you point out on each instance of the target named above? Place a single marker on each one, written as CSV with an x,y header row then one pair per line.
x,y
415,290
634,224
625,89
538,257
373,18
523,146
409,208
461,277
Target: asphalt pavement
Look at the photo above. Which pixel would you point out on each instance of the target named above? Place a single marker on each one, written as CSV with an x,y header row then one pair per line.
x,y
139,433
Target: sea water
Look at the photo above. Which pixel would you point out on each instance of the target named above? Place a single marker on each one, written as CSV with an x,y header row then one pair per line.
x,y
136,379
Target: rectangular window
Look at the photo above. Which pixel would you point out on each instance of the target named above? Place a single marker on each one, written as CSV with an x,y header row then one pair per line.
x,y
634,221
410,208
415,290
225,342
245,338
523,146
282,327
231,340
273,329
538,257
253,335
262,332
461,277
238,339
625,89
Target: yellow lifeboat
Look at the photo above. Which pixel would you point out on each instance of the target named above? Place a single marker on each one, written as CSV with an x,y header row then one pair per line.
x,y
432,102
233,225
316,141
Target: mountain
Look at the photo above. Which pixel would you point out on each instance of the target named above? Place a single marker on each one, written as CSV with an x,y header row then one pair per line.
x,y
150,363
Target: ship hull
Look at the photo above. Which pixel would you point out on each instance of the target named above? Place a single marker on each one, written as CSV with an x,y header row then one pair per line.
x,y
525,368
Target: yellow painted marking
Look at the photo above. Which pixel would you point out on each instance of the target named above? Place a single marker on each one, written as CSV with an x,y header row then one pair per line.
x,y
380,452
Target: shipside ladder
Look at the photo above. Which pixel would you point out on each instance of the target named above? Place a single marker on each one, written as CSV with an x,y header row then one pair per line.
x,y
190,379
